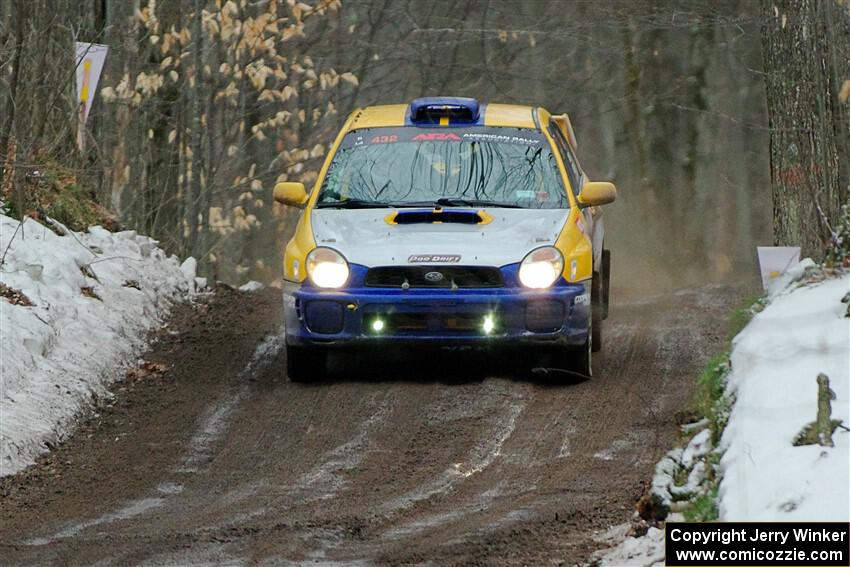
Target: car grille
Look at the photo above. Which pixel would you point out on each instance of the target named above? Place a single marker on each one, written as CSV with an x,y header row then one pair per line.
x,y
436,322
426,276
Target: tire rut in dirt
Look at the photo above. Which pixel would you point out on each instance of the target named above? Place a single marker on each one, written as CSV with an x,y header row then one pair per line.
x,y
420,457
121,456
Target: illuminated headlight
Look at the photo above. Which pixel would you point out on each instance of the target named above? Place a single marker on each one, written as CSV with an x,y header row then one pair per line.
x,y
541,268
327,268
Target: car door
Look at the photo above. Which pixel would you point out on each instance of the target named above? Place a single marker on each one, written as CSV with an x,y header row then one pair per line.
x,y
591,216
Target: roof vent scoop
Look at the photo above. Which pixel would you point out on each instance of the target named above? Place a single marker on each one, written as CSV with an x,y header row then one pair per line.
x,y
444,110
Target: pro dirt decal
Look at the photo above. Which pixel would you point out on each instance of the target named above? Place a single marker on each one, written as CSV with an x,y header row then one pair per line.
x,y
434,258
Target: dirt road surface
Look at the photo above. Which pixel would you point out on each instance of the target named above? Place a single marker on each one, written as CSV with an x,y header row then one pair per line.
x,y
448,458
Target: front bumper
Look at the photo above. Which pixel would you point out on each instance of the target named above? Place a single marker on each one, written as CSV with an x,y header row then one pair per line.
x,y
557,315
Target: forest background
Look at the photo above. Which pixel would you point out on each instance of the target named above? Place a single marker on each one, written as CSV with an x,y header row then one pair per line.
x,y
205,104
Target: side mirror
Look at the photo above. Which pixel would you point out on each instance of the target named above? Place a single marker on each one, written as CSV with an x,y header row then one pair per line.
x,y
290,193
595,193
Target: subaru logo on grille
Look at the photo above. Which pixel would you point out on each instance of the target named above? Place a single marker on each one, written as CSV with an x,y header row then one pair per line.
x,y
434,277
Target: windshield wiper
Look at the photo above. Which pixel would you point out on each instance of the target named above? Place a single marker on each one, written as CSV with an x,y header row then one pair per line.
x,y
353,204
461,202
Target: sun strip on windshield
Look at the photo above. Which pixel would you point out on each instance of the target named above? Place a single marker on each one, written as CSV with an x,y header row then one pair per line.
x,y
373,136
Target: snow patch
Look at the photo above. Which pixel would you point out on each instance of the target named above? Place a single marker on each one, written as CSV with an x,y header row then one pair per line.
x,y
251,286
698,447
775,361
789,276
644,551
189,267
131,510
95,296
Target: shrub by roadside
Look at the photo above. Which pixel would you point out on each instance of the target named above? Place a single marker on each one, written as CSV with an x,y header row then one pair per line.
x,y
53,192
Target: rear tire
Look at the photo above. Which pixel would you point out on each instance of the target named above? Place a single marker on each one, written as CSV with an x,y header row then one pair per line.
x,y
305,364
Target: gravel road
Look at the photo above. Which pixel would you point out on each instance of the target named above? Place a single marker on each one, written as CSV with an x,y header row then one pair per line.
x,y
400,458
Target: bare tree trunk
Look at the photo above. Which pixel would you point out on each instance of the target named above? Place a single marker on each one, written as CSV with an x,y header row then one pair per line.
x,y
19,10
121,33
635,126
802,58
838,37
198,104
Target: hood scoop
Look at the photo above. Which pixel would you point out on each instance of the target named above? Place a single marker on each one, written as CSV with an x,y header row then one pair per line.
x,y
438,216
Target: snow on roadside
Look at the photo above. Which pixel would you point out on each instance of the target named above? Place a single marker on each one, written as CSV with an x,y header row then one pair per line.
x,y
95,295
775,362
646,551
251,286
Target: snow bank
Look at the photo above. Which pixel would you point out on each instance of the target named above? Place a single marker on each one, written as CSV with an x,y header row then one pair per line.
x,y
775,361
94,296
644,551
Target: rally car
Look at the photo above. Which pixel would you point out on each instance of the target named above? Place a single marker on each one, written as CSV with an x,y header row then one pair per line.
x,y
448,222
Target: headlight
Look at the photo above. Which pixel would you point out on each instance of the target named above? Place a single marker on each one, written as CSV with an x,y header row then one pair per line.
x,y
327,268
541,268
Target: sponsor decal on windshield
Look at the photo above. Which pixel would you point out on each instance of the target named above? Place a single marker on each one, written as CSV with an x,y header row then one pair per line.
x,y
499,138
474,134
437,137
391,139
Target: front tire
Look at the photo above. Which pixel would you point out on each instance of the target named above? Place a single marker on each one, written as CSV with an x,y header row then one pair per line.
x,y
305,364
606,281
597,310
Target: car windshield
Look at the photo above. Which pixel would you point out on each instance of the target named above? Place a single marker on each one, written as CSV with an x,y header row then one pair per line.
x,y
474,166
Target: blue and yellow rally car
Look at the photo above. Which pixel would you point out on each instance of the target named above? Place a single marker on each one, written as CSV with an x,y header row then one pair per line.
x,y
448,222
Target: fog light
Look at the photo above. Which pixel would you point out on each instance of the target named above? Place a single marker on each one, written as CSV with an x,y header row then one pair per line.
x,y
488,325
377,325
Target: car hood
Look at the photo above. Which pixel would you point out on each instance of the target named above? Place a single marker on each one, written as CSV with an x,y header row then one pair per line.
x,y
364,237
